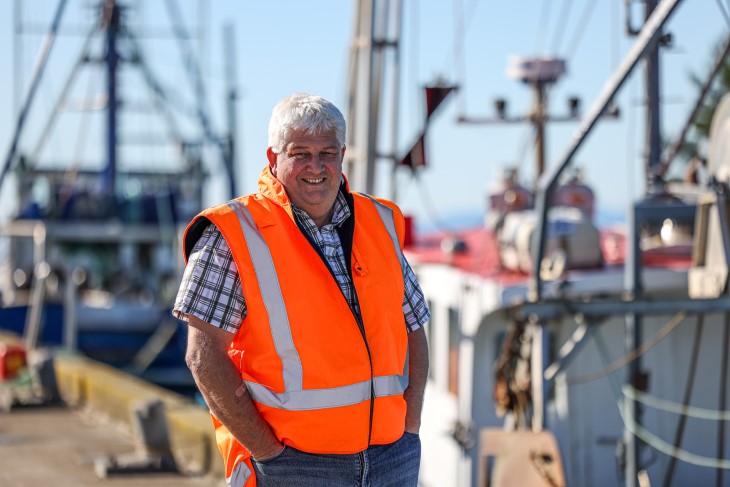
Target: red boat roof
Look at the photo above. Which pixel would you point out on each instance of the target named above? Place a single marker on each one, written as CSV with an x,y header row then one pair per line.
x,y
477,253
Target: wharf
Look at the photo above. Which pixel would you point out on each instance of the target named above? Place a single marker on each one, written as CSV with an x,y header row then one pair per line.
x,y
55,445
75,422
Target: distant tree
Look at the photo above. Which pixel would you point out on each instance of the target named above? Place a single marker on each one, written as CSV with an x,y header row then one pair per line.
x,y
696,140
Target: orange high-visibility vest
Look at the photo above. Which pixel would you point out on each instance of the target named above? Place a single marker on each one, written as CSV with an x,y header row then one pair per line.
x,y
323,380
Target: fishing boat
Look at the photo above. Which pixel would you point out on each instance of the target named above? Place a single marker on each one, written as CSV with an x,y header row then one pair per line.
x,y
91,252
564,353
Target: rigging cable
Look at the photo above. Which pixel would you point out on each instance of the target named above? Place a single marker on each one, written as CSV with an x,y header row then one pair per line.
x,y
724,11
668,328
679,434
544,18
71,173
38,70
431,212
461,26
561,27
582,23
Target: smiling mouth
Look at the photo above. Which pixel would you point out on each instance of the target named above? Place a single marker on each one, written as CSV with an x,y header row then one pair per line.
x,y
314,180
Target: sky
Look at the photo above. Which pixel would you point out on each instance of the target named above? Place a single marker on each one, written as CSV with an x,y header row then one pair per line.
x,y
286,46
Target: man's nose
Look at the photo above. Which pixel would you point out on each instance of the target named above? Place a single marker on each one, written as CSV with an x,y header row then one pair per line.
x,y
316,161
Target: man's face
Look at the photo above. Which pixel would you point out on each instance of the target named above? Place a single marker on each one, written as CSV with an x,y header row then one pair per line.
x,y
310,168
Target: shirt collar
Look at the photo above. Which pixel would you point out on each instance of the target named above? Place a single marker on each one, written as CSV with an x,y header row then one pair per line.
x,y
340,214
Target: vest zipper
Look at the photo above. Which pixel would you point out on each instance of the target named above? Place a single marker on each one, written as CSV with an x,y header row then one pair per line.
x,y
358,319
372,374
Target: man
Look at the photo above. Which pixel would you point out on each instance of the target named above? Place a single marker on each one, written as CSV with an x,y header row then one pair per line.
x,y
305,320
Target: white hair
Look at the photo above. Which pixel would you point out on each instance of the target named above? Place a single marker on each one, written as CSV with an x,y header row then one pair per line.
x,y
312,114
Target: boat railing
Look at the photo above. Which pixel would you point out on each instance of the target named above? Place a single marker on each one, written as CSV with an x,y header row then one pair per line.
x,y
45,234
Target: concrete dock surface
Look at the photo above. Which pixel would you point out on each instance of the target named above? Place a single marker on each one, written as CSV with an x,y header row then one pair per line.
x,y
56,445
70,421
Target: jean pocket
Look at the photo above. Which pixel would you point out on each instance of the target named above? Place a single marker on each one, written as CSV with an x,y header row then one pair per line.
x,y
272,459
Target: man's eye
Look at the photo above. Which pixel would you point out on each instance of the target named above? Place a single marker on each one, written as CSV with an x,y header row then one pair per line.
x,y
300,155
329,155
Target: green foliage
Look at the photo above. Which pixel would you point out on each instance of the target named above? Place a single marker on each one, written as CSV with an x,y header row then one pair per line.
x,y
720,86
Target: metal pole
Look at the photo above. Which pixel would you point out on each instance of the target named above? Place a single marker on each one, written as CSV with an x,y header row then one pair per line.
x,y
352,94
633,339
723,397
653,115
538,119
367,59
538,363
634,324
70,300
229,43
359,157
396,97
112,15
377,75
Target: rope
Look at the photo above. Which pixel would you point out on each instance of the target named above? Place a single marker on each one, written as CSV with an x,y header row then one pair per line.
x,y
665,447
674,407
645,347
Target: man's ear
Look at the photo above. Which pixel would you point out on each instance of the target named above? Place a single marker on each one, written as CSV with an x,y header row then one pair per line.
x,y
271,155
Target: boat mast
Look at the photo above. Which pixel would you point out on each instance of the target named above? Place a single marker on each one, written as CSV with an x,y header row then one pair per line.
x,y
635,376
111,19
653,113
373,22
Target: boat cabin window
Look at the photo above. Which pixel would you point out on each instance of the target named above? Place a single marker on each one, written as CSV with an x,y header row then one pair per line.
x,y
454,336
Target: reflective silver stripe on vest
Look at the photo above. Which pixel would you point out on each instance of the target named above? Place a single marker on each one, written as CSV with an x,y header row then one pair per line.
x,y
312,398
386,214
239,476
273,299
295,398
390,385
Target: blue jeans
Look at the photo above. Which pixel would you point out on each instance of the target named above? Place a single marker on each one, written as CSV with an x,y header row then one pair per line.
x,y
393,465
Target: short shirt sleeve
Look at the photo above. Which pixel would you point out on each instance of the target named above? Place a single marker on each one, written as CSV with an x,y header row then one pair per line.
x,y
211,286
415,310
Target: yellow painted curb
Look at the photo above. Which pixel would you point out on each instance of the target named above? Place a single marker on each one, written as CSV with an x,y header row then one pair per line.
x,y
111,393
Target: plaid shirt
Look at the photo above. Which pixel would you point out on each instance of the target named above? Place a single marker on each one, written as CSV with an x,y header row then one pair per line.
x,y
211,286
